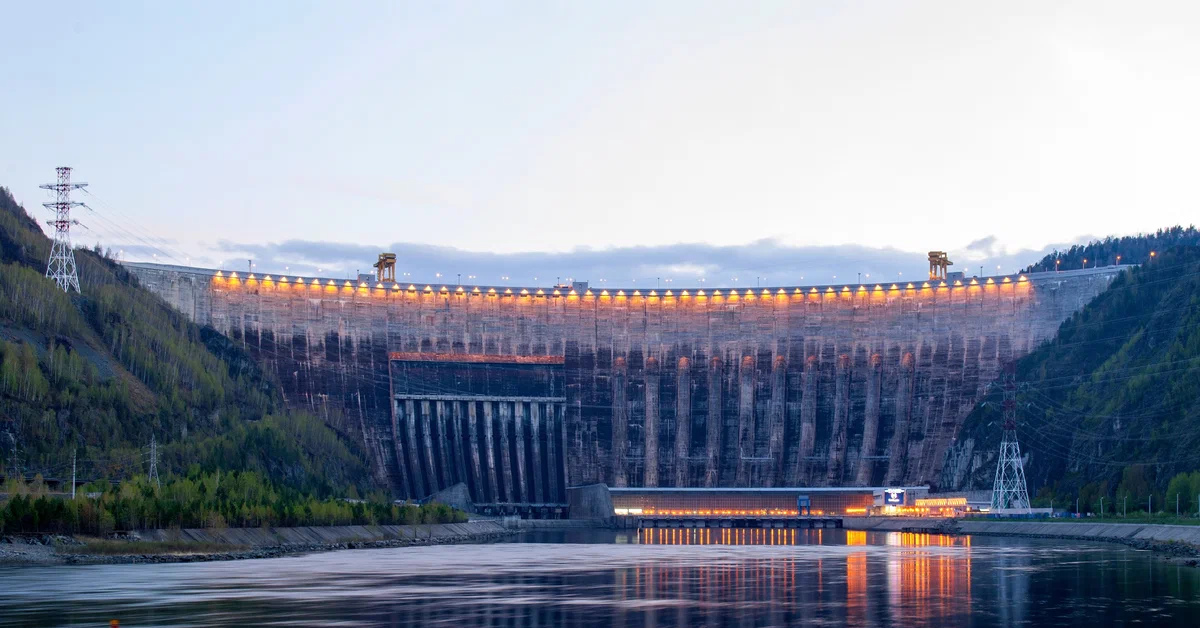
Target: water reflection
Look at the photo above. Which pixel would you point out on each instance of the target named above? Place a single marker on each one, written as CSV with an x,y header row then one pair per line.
x,y
633,579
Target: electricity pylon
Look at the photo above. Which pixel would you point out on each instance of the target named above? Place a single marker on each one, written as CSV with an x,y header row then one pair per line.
x,y
154,462
61,267
1009,491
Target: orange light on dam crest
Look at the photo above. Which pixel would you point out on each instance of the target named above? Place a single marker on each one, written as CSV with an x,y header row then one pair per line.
x,y
879,297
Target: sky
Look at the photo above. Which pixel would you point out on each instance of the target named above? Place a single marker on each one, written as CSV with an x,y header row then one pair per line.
x,y
623,141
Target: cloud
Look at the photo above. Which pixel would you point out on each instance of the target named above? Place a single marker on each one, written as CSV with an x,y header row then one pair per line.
x,y
763,261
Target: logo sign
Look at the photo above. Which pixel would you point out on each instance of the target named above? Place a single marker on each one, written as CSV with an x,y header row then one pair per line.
x,y
893,497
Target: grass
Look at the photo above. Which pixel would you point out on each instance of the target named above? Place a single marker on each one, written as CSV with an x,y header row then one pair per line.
x,y
106,547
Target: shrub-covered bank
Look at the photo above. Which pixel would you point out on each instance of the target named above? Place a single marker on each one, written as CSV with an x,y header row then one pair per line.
x,y
199,500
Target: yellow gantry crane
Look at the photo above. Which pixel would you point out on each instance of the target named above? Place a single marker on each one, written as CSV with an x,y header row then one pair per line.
x,y
385,268
939,262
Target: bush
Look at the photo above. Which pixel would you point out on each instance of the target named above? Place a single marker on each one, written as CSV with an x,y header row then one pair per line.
x,y
205,500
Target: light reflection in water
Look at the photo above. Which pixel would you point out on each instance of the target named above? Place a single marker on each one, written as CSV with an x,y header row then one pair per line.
x,y
659,577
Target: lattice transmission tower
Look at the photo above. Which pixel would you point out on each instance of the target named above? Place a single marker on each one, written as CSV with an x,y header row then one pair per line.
x,y
153,475
61,267
1009,491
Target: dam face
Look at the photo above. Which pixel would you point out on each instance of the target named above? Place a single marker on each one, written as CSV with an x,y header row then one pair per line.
x,y
520,393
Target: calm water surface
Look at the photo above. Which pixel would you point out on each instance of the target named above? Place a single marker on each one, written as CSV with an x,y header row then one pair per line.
x,y
655,578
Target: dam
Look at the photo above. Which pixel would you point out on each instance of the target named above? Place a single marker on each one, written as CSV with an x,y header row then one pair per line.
x,y
520,392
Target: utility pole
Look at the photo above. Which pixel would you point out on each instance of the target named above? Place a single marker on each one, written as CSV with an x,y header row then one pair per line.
x,y
61,267
1101,507
1150,504
73,452
1009,491
1176,504
154,461
1077,513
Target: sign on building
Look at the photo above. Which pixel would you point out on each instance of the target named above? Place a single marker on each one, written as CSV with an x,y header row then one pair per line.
x,y
893,497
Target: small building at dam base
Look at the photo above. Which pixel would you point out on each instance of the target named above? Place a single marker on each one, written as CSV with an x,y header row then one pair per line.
x,y
735,507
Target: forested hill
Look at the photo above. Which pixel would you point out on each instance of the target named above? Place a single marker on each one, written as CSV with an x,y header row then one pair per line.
x,y
1112,404
102,373
1135,249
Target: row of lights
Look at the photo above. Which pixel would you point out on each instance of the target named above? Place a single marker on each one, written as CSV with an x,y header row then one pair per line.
x,y
621,293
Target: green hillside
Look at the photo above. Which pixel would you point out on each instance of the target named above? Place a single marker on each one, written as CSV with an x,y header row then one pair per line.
x,y
101,373
1110,407
1112,250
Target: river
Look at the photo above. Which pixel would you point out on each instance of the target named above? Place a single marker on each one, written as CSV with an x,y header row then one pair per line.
x,y
658,578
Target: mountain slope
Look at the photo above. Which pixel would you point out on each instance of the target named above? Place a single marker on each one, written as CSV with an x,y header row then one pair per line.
x,y
1113,401
103,372
1134,249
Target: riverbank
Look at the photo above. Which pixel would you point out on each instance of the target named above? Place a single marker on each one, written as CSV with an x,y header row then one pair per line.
x,y
214,544
1178,541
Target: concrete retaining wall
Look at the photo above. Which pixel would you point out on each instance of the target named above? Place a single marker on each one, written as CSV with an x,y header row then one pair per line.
x,y
323,535
1121,532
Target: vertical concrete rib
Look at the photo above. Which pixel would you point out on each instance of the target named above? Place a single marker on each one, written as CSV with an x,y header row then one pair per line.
x,y
473,438
444,445
431,473
456,432
904,402
745,448
414,459
552,427
560,419
650,479
506,462
792,434
399,446
403,448
489,423
520,479
620,423
775,417
841,412
808,418
535,444
866,462
712,441
683,420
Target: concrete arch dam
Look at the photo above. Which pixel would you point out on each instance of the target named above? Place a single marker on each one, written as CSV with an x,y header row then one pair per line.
x,y
521,392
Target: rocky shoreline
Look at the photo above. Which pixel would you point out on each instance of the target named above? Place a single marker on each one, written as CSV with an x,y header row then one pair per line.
x,y
1175,551
57,549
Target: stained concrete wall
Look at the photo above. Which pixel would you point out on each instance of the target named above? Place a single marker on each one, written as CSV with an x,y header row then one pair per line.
x,y
323,535
826,385
1081,529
